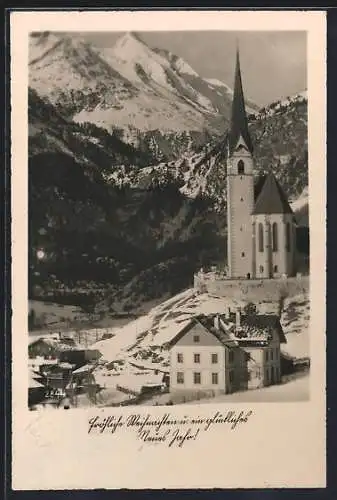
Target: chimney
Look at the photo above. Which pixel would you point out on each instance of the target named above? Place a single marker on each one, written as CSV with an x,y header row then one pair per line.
x,y
238,317
217,322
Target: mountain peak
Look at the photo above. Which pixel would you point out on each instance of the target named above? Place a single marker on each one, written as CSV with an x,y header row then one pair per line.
x,y
127,39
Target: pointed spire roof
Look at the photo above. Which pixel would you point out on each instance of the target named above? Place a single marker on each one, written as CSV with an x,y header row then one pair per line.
x,y
271,199
239,122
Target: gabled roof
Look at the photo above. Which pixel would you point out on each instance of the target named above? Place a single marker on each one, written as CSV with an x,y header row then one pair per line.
x,y
239,122
255,326
271,199
221,335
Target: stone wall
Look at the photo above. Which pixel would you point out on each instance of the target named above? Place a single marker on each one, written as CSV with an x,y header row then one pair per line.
x,y
252,290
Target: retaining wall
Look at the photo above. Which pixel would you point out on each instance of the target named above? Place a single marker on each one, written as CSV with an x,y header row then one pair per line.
x,y
253,290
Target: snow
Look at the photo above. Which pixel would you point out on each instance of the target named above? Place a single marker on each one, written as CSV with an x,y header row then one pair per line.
x,y
219,83
40,44
295,320
34,384
137,355
183,67
126,337
301,202
129,52
294,390
135,382
138,86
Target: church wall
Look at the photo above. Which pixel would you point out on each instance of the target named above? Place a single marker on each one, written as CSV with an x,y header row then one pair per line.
x,y
262,259
291,256
270,263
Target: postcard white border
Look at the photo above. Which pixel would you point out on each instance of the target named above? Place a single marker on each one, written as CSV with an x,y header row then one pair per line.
x,y
284,444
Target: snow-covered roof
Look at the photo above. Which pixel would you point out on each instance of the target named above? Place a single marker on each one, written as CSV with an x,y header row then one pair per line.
x,y
33,383
83,369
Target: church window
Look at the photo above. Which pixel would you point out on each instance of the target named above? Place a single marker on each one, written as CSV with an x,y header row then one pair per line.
x,y
261,269
275,269
275,237
288,237
242,254
261,243
241,167
241,199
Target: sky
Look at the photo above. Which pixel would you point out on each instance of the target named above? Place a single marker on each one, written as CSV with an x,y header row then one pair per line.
x,y
273,64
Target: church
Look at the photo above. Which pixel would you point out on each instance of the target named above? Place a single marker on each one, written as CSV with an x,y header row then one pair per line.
x,y
261,227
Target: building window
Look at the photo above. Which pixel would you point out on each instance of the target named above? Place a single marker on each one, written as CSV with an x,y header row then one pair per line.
x,y
215,379
231,356
214,359
196,338
261,269
231,376
241,199
267,354
261,243
275,269
196,358
288,237
242,254
197,377
241,167
180,357
272,354
180,377
275,237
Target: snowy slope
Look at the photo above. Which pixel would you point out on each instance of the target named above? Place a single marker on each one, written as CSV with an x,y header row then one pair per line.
x,y
137,347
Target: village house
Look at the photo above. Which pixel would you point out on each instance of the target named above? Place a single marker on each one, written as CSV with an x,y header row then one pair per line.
x,y
225,353
43,348
62,350
79,356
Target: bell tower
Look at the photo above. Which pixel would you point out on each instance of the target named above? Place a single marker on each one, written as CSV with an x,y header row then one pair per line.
x,y
240,187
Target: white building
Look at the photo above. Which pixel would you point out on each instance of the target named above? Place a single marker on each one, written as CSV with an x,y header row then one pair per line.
x,y
226,353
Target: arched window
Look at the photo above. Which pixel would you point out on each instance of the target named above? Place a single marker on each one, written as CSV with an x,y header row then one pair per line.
x,y
241,167
288,237
261,243
275,237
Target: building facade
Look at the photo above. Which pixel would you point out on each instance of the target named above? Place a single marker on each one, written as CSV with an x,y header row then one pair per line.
x,y
261,228
221,354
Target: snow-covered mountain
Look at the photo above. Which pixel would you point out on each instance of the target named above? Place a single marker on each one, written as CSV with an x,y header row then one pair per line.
x,y
129,86
113,217
280,140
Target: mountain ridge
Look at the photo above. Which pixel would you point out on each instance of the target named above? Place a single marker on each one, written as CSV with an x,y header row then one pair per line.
x,y
112,216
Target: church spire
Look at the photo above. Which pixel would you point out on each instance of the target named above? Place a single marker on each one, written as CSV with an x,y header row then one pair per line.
x,y
239,122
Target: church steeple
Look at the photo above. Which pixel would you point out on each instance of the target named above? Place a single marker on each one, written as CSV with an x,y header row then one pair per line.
x,y
239,122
